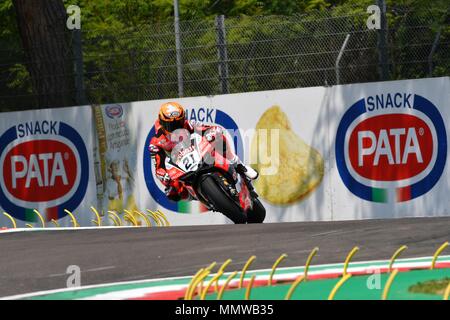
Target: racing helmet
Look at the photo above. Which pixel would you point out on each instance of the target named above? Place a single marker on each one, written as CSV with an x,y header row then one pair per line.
x,y
171,116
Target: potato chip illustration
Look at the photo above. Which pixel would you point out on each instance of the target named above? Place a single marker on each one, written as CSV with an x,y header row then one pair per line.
x,y
299,168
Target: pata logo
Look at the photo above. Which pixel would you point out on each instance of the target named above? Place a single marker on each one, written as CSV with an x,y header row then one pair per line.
x,y
391,147
44,167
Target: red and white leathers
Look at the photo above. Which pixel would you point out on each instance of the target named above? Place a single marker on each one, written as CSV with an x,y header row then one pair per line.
x,y
162,144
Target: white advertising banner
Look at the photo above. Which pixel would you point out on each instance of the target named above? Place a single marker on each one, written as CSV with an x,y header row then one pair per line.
x,y
46,166
360,151
115,158
390,149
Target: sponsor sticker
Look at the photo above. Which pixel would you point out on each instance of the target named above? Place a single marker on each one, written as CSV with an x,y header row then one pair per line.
x,y
114,111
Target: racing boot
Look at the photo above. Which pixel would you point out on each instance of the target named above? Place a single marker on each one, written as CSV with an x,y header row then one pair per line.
x,y
248,171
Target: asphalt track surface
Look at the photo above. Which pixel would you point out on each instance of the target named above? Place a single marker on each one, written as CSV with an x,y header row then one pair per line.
x,y
35,261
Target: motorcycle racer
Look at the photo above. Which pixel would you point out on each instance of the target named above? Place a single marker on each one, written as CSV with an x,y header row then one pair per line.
x,y
171,118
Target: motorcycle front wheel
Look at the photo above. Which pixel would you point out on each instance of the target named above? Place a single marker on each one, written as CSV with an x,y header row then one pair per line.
x,y
221,200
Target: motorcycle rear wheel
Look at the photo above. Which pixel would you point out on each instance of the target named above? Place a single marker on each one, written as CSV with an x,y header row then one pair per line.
x,y
221,200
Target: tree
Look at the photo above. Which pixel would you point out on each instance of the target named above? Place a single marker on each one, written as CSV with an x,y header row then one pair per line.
x,y
43,32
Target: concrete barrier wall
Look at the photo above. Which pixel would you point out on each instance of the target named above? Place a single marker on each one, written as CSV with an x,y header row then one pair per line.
x,y
361,151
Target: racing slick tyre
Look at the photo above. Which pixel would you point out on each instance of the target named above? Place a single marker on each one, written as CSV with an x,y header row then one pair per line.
x,y
258,212
221,201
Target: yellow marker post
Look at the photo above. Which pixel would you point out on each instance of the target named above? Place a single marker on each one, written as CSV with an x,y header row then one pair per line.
x,y
387,287
244,269
160,217
154,217
294,286
119,221
347,260
249,288
338,285
99,220
215,279
274,267
11,218
188,289
395,255
133,217
437,253
194,284
447,292
74,220
198,280
221,270
208,269
143,216
163,216
55,223
211,266
308,261
225,285
40,217
114,220
128,216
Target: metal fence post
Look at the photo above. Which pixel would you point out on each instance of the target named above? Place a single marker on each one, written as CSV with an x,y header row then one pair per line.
x,y
433,50
382,42
222,53
80,95
178,48
339,57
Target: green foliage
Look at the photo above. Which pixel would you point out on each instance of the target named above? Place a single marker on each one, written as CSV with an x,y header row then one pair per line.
x,y
128,45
